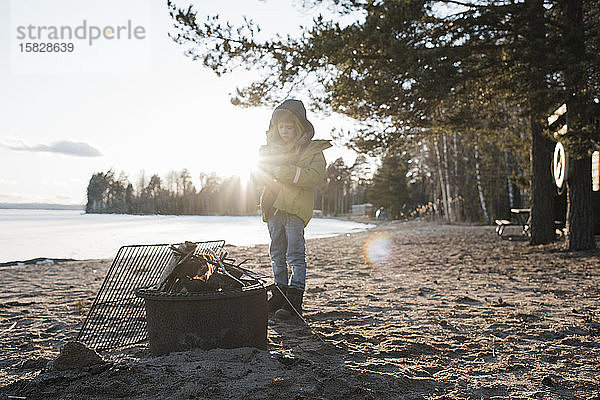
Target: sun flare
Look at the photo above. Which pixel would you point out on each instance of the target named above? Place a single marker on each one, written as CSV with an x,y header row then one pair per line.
x,y
377,248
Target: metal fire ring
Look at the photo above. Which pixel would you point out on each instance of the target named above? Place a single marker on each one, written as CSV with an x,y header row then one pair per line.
x,y
151,294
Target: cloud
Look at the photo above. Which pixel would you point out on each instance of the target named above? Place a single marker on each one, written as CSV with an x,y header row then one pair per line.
x,y
78,149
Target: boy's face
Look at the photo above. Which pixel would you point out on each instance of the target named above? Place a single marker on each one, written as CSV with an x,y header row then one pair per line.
x,y
287,131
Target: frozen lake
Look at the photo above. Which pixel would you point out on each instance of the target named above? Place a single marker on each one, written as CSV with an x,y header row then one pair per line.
x,y
27,234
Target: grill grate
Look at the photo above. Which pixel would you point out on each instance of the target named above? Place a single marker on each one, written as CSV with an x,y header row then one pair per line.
x,y
117,317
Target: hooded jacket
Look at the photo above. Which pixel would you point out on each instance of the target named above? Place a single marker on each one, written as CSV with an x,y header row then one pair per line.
x,y
300,171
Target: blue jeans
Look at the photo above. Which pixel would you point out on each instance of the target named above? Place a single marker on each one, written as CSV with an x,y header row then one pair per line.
x,y
287,249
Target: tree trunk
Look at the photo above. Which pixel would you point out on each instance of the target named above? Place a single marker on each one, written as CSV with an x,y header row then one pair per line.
x,y
456,197
479,187
448,193
511,194
442,184
336,203
580,222
542,186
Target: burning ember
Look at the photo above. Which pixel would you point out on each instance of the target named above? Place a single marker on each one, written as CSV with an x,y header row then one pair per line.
x,y
192,270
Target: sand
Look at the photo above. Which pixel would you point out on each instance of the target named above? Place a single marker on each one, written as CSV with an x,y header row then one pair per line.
x,y
454,312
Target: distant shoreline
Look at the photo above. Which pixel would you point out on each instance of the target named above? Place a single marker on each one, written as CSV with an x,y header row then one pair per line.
x,y
40,206
81,207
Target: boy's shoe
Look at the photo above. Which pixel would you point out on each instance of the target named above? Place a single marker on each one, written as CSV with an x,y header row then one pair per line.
x,y
277,300
295,297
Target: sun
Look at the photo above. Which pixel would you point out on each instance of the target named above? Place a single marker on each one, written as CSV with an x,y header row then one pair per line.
x,y
242,161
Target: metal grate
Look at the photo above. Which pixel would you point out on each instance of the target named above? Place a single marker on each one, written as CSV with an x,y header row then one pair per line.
x,y
117,317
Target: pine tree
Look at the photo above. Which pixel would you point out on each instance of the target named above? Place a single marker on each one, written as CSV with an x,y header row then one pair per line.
x,y
389,187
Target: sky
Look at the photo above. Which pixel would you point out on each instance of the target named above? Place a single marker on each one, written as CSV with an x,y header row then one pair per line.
x,y
130,104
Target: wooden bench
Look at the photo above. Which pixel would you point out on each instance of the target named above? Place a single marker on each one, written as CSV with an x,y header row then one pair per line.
x,y
559,227
501,224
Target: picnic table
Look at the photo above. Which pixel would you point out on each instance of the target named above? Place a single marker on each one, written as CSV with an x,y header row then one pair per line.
x,y
521,216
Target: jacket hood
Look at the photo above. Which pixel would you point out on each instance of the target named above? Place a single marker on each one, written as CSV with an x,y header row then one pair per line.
x,y
297,108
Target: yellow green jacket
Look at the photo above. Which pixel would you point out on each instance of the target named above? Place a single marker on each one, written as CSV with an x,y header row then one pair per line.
x,y
293,191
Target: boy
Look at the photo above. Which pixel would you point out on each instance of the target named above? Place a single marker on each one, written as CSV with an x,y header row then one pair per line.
x,y
290,165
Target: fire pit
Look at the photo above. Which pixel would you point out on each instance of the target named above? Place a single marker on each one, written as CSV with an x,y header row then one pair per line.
x,y
204,300
224,319
177,296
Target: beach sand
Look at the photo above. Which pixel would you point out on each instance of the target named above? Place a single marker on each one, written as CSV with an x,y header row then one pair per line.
x,y
454,312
